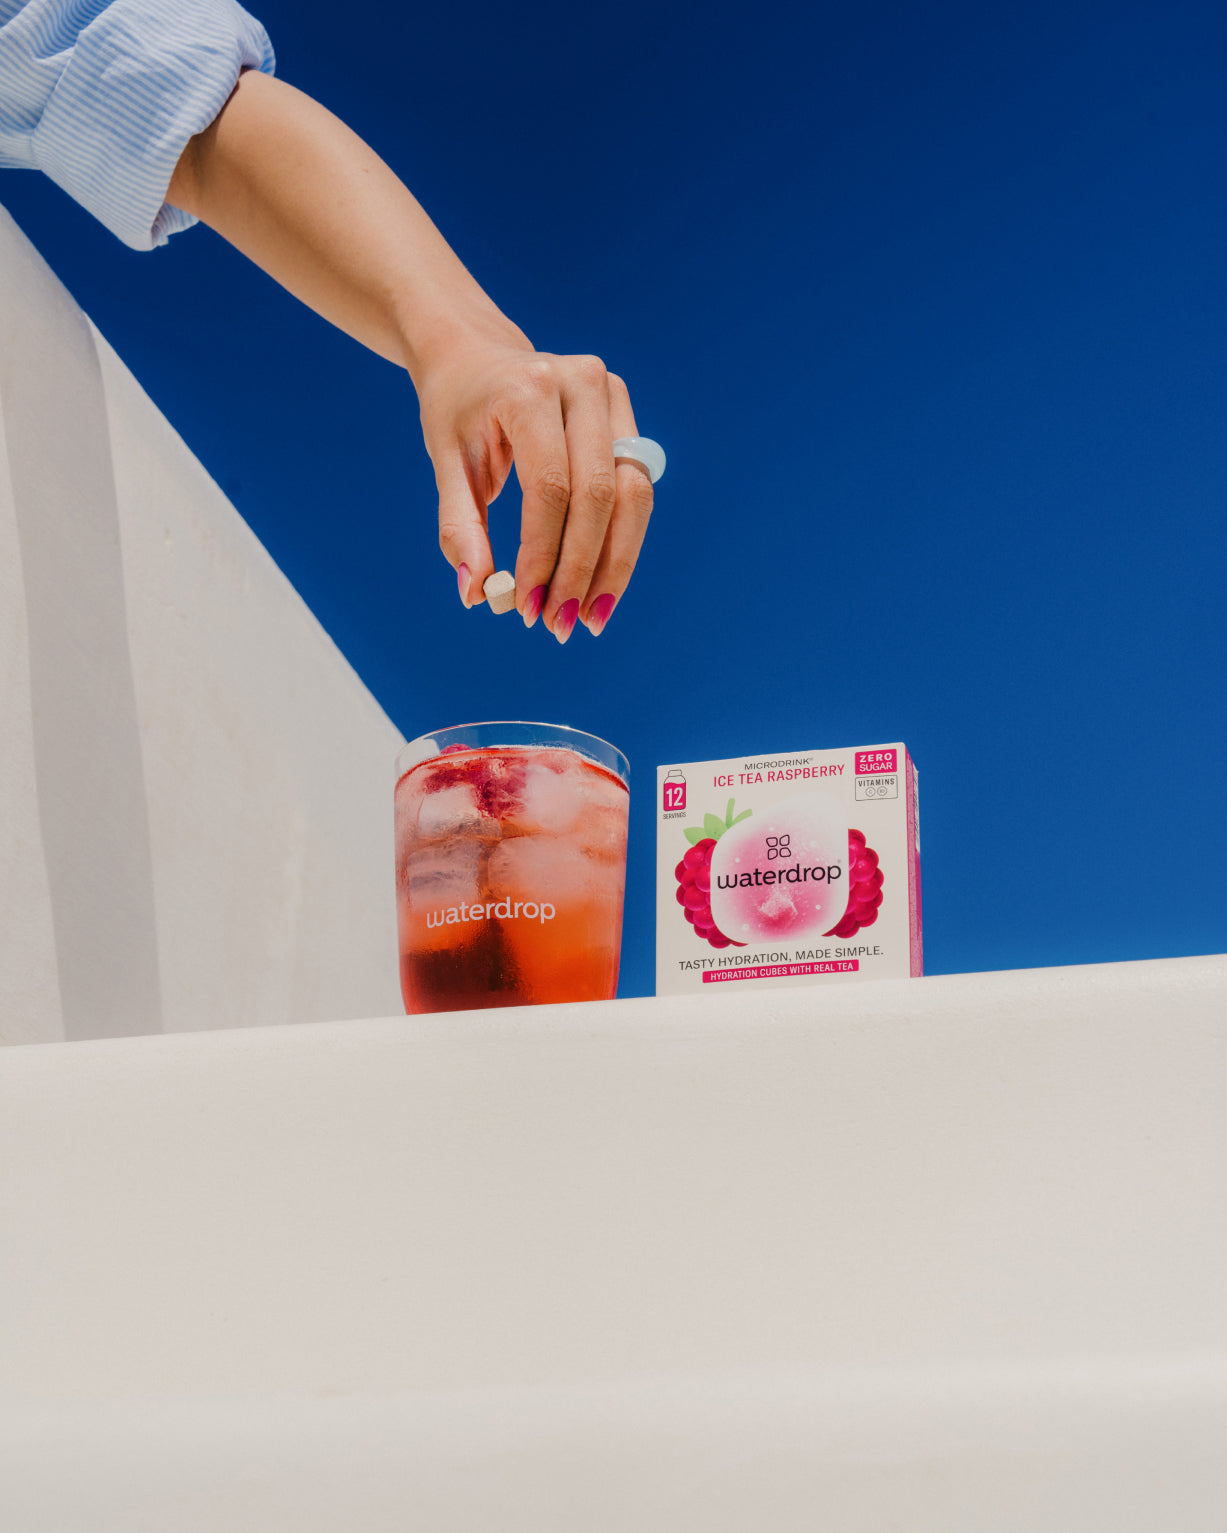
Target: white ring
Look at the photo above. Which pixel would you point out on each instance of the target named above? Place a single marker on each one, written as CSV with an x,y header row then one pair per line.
x,y
642,449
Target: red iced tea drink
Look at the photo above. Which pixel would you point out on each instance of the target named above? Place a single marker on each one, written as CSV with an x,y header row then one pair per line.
x,y
510,866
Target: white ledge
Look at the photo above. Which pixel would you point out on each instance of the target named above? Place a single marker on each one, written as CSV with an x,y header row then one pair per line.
x,y
941,1254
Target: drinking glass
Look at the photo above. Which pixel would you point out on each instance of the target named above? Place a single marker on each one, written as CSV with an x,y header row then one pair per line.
x,y
510,866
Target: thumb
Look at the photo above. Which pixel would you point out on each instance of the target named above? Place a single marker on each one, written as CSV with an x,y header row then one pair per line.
x,y
463,534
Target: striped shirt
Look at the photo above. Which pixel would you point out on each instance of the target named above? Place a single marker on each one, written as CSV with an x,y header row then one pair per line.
x,y
103,96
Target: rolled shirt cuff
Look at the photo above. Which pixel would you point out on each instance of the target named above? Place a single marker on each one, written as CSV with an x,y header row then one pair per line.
x,y
144,77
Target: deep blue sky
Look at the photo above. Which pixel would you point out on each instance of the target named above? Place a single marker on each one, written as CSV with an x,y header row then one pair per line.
x,y
926,305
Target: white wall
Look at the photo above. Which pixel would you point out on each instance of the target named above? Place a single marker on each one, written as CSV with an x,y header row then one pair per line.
x,y
195,787
944,1255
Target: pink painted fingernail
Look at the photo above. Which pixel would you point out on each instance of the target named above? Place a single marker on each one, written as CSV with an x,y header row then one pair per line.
x,y
564,619
533,604
462,582
598,614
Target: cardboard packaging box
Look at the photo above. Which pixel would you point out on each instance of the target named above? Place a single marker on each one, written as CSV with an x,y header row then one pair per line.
x,y
796,869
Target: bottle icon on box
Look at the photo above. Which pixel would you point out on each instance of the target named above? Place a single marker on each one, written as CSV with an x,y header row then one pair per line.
x,y
675,791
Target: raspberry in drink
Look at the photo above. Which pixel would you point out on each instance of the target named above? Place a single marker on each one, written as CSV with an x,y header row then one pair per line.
x,y
510,867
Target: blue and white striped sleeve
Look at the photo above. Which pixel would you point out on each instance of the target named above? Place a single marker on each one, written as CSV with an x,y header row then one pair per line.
x,y
103,96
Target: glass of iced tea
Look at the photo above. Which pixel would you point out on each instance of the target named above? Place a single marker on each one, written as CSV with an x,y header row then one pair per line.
x,y
510,866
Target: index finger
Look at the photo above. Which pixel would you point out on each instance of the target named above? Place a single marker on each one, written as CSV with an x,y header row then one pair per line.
x,y
463,530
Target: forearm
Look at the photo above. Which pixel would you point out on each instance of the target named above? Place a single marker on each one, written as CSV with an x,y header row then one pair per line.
x,y
292,187
288,184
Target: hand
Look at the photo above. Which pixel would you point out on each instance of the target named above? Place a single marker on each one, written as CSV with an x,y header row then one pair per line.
x,y
290,185
490,401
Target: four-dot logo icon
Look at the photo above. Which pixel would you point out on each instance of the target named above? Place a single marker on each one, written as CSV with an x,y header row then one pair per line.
x,y
778,846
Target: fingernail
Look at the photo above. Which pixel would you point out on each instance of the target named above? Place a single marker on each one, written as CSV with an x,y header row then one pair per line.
x,y
533,604
598,614
462,582
564,619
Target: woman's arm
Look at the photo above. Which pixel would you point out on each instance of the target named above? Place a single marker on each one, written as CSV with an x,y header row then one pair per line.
x,y
291,186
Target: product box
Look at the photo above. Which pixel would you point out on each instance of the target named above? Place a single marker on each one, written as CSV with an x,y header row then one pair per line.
x,y
797,869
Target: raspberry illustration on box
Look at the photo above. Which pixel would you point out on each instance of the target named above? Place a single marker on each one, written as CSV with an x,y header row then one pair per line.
x,y
694,882
693,875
